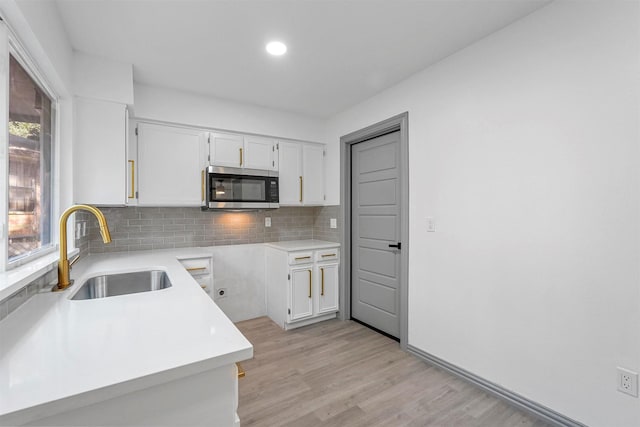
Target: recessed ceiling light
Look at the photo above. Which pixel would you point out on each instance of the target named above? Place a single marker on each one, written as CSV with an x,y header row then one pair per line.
x,y
276,48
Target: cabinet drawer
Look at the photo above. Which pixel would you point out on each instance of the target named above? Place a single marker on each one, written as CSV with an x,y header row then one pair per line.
x,y
198,266
205,282
304,257
327,254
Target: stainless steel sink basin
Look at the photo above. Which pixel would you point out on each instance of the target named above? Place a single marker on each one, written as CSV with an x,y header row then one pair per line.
x,y
110,285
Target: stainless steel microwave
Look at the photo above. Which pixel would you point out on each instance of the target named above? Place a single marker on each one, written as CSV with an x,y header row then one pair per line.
x,y
239,188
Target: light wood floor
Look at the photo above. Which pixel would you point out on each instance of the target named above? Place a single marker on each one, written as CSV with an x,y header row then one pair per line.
x,y
343,374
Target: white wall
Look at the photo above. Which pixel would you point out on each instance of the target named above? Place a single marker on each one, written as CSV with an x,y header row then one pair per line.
x,y
182,107
40,28
103,79
525,149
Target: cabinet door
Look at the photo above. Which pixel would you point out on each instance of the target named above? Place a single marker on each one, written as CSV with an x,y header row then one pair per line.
x,y
100,152
169,166
301,293
226,150
132,165
313,170
328,289
259,153
290,174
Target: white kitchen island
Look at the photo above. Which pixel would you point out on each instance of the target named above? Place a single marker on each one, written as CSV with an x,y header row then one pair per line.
x,y
164,357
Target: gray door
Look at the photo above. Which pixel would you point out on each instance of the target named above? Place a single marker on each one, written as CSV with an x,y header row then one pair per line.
x,y
375,225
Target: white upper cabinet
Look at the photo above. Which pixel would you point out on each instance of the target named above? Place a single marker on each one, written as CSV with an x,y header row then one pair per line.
x,y
170,163
260,153
301,174
313,174
100,162
226,150
290,174
238,151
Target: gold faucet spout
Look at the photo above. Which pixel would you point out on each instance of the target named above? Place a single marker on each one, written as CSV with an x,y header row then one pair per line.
x,y
64,267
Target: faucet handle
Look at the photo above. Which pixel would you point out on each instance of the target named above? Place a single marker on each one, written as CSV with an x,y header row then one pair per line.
x,y
74,260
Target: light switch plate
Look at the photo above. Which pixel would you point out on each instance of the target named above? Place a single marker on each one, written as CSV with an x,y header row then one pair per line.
x,y
431,224
333,223
267,221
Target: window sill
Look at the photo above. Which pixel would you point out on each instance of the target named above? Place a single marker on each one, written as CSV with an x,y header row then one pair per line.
x,y
17,278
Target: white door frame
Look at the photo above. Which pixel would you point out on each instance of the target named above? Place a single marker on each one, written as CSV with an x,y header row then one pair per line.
x,y
396,123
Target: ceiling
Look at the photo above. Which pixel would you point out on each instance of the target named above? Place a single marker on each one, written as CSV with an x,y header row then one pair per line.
x,y
340,52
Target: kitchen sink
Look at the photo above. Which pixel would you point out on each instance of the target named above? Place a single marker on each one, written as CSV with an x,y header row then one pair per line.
x,y
110,285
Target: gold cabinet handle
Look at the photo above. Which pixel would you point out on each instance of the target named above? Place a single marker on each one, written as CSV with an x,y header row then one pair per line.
x,y
202,185
309,283
132,192
322,288
300,189
302,257
327,255
196,268
241,157
241,372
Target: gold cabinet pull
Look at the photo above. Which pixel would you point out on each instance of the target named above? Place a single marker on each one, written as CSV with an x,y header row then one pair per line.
x,y
241,157
132,192
202,185
241,372
300,189
322,281
327,255
309,283
302,257
196,268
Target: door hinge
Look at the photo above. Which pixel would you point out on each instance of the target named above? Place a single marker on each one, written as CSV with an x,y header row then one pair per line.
x,y
324,153
278,146
136,130
288,277
273,148
209,157
209,139
273,163
137,195
325,197
288,311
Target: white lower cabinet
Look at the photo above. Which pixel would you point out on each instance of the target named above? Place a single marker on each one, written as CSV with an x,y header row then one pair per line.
x,y
300,293
328,298
302,286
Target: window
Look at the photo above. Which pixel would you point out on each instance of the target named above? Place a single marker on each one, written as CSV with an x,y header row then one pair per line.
x,y
30,164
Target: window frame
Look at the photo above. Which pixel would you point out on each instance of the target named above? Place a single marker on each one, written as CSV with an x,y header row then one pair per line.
x,y
11,46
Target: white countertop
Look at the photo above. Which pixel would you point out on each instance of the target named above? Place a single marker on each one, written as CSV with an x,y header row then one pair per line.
x,y
302,245
57,354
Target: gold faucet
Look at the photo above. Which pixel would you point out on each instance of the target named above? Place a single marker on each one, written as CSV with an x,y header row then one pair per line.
x,y
64,266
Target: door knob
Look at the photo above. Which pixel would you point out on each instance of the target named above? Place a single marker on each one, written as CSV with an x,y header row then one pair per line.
x,y
397,245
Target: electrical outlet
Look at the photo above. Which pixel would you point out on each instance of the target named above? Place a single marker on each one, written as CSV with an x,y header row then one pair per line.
x,y
267,221
628,382
78,230
333,223
221,293
84,228
431,224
